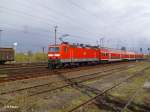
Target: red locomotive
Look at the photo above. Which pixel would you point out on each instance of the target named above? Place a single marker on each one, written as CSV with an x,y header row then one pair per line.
x,y
66,54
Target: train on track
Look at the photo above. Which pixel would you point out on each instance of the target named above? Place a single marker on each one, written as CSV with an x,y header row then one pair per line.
x,y
6,54
66,54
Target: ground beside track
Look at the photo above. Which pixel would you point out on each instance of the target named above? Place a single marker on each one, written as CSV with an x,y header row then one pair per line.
x,y
64,99
131,96
27,72
9,86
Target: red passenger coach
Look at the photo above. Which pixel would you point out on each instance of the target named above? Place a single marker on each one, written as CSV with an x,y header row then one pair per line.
x,y
104,55
115,55
139,56
131,55
125,56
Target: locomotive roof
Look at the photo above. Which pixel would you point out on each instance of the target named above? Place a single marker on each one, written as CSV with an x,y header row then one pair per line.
x,y
82,45
94,47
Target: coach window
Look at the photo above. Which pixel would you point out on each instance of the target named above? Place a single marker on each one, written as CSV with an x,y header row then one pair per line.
x,y
106,54
65,49
103,54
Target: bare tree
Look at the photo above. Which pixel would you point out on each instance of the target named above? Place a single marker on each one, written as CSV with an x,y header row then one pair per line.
x,y
141,50
148,50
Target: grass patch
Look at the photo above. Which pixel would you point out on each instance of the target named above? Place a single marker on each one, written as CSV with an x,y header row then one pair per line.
x,y
3,75
32,57
127,89
24,103
78,101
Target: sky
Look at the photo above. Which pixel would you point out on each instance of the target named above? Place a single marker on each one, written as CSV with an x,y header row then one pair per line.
x,y
31,23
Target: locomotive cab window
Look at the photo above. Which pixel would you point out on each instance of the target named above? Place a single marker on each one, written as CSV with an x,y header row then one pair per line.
x,y
54,49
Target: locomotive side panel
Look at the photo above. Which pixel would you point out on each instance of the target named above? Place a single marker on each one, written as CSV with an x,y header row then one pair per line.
x,y
79,54
66,54
69,54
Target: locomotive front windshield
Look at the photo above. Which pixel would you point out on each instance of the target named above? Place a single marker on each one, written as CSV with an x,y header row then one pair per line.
x,y
54,49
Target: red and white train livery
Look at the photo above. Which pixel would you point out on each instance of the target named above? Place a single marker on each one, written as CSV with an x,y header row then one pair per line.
x,y
68,54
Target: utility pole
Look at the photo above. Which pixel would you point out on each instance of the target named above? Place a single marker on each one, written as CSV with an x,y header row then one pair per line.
x,y
97,43
43,50
101,42
0,36
55,34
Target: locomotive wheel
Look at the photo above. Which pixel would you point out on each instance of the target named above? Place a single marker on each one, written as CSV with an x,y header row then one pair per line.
x,y
53,66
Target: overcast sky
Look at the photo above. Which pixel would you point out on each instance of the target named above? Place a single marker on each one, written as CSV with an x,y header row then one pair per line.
x,y
31,22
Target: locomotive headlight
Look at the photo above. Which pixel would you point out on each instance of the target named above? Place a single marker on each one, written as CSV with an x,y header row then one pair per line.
x,y
50,54
56,54
53,54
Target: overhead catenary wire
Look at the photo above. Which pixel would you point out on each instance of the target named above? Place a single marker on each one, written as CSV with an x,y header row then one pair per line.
x,y
49,9
68,18
23,14
27,15
50,21
83,9
21,30
45,34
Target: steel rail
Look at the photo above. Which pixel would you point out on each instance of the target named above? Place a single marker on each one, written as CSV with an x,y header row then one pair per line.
x,y
28,75
74,83
105,91
132,97
74,78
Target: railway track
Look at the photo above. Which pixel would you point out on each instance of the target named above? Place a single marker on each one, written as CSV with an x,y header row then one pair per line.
x,y
21,66
98,96
74,80
71,82
33,72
